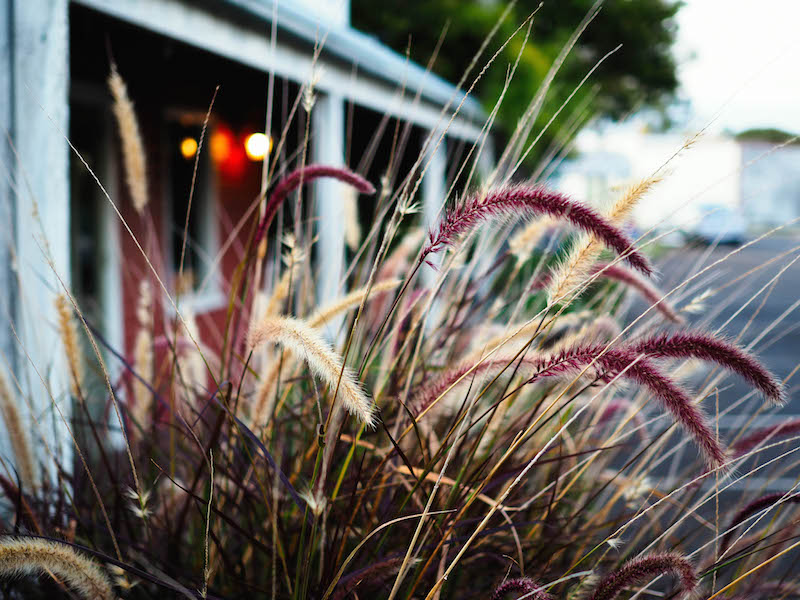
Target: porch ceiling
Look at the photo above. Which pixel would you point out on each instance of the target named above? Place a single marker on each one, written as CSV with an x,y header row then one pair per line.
x,y
239,30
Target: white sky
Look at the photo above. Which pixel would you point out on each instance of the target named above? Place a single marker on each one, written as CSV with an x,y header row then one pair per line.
x,y
746,65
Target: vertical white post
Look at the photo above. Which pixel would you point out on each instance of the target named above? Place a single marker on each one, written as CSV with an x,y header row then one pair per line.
x,y
328,148
7,201
39,96
486,163
434,188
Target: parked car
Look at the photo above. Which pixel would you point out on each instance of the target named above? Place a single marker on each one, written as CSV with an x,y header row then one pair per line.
x,y
720,225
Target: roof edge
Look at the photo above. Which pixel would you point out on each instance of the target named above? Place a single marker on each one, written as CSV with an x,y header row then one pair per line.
x,y
353,46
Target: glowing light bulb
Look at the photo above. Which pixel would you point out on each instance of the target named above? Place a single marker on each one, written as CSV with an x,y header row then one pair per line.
x,y
219,145
188,147
257,146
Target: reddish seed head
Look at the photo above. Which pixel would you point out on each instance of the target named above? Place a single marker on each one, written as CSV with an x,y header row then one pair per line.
x,y
466,372
640,570
304,175
710,348
520,587
744,445
619,406
531,201
613,362
672,397
366,579
609,363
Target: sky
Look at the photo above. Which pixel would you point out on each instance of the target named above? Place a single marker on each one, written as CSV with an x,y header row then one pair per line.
x,y
739,63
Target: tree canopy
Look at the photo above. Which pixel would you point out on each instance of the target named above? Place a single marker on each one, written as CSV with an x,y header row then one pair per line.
x,y
640,74
769,135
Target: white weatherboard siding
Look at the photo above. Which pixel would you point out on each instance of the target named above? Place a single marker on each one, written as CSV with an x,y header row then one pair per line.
x,y
38,121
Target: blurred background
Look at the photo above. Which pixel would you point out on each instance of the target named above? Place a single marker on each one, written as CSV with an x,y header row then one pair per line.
x,y
721,74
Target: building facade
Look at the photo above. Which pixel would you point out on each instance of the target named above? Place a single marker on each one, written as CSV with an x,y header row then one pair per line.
x,y
756,180
69,221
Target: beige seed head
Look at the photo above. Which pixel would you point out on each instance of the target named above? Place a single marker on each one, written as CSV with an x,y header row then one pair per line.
x,y
69,338
18,436
326,313
28,556
525,240
143,357
570,275
131,138
307,344
352,226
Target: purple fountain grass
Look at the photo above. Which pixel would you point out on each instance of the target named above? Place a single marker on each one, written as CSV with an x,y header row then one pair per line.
x,y
531,201
305,175
523,586
628,364
647,290
641,569
713,349
672,396
752,508
747,443
609,363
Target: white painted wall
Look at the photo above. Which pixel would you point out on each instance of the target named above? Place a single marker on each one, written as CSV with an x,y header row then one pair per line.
x,y
38,123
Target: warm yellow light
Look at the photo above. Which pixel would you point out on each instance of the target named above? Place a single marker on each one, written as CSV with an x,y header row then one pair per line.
x,y
188,147
219,145
257,146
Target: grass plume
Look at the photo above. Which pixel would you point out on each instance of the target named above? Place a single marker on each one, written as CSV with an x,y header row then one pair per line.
x,y
306,175
307,344
132,146
530,201
643,286
759,436
17,433
144,367
639,570
69,339
586,248
689,344
28,556
759,504
521,587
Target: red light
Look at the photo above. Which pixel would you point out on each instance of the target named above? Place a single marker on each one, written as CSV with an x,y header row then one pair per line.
x,y
228,156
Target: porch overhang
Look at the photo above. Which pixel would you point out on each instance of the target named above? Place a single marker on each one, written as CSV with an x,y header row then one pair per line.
x,y
350,63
